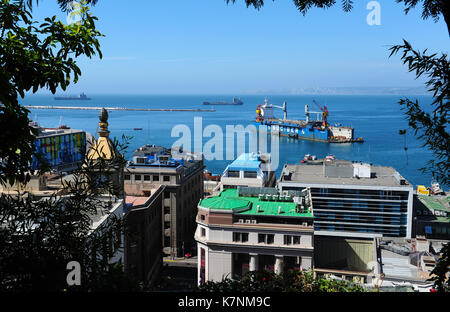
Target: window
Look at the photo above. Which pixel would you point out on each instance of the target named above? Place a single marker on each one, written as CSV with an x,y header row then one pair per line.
x,y
250,174
146,178
127,177
240,237
233,174
266,238
166,178
287,239
261,238
166,241
156,178
202,217
140,160
296,240
137,177
203,232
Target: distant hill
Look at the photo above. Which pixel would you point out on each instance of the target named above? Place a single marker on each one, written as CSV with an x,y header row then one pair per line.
x,y
349,91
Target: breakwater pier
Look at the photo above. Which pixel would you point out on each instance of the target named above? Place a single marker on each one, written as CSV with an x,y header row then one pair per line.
x,y
121,108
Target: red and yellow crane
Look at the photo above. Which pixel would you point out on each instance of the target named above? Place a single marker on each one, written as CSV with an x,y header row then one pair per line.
x,y
324,113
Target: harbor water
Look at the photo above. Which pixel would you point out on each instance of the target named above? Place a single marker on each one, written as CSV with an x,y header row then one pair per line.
x,y
376,118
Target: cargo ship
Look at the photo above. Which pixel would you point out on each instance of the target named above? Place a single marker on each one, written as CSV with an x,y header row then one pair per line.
x,y
81,97
236,101
318,129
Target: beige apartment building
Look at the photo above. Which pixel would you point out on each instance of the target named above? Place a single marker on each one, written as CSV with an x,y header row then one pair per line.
x,y
182,175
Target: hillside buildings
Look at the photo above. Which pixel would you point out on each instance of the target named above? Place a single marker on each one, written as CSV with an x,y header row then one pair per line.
x,y
62,149
354,199
355,205
432,216
143,238
182,175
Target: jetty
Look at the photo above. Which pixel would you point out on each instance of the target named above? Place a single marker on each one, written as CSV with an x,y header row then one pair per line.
x,y
121,108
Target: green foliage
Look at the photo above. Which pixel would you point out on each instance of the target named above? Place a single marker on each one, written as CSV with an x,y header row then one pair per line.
x,y
440,273
303,5
289,281
431,127
39,236
431,8
32,56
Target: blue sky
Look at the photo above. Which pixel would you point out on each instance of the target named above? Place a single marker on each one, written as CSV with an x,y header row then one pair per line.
x,y
209,47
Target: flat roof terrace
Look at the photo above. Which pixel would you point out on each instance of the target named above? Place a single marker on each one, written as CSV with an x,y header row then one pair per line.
x,y
314,174
245,162
230,200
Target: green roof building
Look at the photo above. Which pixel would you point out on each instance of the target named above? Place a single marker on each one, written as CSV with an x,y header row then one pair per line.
x,y
254,228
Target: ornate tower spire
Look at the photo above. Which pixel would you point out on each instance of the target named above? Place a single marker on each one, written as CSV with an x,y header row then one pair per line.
x,y
103,124
103,147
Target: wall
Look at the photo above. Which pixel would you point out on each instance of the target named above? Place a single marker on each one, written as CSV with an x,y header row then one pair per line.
x,y
343,253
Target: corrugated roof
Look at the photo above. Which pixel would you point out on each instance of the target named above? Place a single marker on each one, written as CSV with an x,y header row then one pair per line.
x,y
436,202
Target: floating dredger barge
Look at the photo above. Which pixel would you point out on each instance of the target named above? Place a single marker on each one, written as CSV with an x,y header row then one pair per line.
x,y
309,129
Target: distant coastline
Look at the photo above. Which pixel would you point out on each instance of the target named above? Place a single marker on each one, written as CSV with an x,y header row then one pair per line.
x,y
346,91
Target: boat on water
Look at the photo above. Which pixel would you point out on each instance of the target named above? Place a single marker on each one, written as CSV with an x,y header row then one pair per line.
x,y
137,128
236,101
313,160
318,129
81,97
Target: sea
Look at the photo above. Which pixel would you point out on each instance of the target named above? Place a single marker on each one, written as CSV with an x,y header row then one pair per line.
x,y
376,118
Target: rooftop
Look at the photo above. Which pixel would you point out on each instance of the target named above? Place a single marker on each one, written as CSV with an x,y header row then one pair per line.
x,y
314,174
111,206
229,199
136,200
440,204
159,156
246,162
47,132
151,150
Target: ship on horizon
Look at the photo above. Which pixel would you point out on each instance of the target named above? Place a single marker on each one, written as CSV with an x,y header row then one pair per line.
x,y
81,97
318,129
236,101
